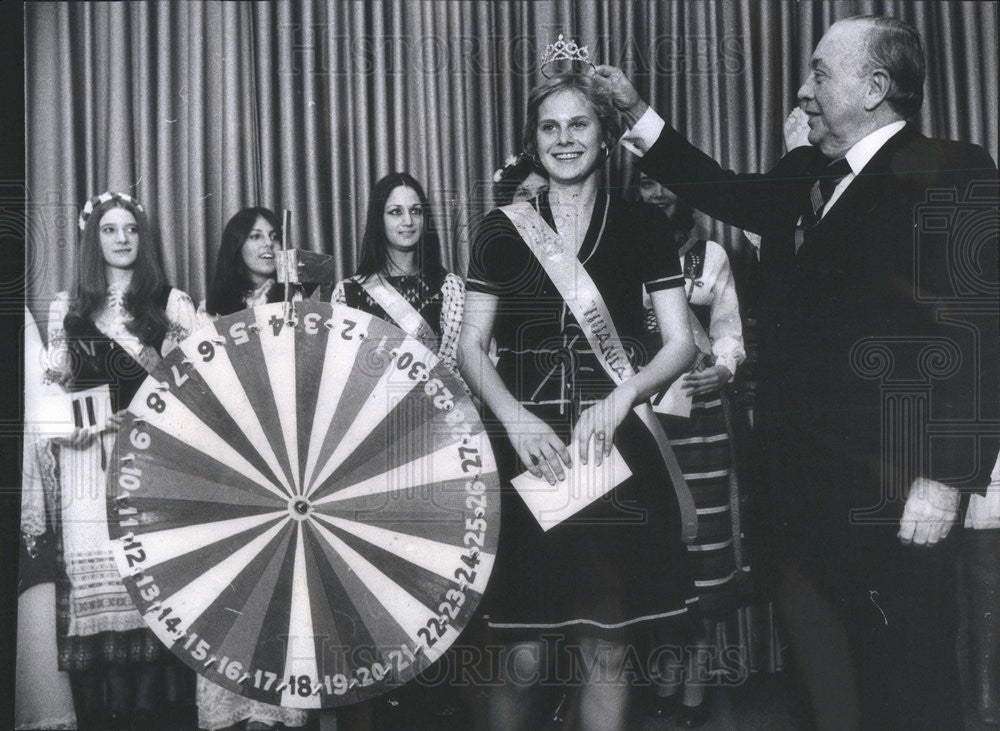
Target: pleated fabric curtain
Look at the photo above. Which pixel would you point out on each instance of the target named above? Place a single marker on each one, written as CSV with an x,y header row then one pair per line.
x,y
200,108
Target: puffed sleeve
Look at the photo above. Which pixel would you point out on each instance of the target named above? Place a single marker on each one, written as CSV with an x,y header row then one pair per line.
x,y
58,362
498,258
202,316
32,500
452,306
32,493
182,318
725,326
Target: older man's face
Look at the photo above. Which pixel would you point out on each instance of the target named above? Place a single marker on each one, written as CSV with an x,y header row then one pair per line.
x,y
834,93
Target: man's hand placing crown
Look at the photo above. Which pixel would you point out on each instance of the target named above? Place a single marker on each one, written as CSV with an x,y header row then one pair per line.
x,y
626,98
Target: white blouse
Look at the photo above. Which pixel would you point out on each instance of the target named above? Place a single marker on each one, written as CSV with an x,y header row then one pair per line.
x,y
111,321
716,289
255,298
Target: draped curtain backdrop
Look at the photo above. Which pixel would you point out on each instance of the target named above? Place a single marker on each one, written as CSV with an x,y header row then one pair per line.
x,y
201,108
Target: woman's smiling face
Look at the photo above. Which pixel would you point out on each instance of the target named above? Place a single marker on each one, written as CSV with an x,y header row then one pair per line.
x,y
403,218
258,250
568,136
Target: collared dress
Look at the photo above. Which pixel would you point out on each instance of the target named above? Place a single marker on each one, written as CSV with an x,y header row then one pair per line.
x,y
218,707
619,562
98,622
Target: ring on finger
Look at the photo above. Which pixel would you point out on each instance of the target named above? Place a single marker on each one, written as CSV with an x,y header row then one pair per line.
x,y
599,435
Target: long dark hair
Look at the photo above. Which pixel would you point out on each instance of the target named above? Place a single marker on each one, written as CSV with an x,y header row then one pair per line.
x,y
149,321
374,245
682,220
232,280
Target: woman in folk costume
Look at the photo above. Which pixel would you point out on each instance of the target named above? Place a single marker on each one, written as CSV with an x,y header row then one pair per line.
x,y
400,278
245,269
42,696
558,281
520,179
104,335
244,277
702,439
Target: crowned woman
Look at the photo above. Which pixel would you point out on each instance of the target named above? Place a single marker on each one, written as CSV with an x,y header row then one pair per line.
x,y
558,281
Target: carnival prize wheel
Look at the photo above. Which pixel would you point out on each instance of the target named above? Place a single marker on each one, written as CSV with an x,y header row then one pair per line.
x,y
303,504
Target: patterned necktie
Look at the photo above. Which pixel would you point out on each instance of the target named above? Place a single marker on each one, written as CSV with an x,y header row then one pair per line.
x,y
819,196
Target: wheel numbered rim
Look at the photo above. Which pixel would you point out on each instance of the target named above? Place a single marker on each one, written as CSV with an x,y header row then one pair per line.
x,y
303,504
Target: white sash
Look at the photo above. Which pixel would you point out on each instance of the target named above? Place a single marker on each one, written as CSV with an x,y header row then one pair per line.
x,y
591,312
396,307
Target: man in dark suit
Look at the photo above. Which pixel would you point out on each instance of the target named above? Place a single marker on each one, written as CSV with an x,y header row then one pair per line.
x,y
877,402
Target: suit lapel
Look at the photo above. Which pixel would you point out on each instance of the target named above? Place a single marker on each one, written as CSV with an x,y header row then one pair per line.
x,y
859,204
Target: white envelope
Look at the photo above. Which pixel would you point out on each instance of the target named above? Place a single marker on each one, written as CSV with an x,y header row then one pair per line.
x,y
552,504
675,401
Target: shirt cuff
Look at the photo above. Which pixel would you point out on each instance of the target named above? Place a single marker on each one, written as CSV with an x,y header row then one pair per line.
x,y
730,361
646,131
984,511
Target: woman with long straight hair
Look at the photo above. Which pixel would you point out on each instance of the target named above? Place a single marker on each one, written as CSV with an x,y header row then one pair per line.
x,y
105,333
244,277
400,278
245,266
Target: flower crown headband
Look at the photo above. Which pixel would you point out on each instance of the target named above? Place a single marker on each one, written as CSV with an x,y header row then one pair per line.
x,y
509,164
88,207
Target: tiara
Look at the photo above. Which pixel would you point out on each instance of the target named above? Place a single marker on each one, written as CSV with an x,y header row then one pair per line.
x,y
563,50
88,207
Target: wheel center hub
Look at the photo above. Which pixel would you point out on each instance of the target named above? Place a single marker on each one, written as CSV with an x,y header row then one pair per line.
x,y
299,508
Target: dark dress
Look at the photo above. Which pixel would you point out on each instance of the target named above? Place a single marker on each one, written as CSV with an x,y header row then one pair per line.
x,y
439,299
106,631
620,560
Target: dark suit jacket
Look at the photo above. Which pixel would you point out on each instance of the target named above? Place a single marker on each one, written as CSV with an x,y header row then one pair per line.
x,y
878,355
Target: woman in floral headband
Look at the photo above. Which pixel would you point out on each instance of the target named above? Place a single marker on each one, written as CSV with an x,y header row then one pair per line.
x,y
521,178
104,335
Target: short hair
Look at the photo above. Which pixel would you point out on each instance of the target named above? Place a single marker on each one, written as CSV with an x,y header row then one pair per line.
x,y
231,281
594,92
375,245
149,321
895,45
